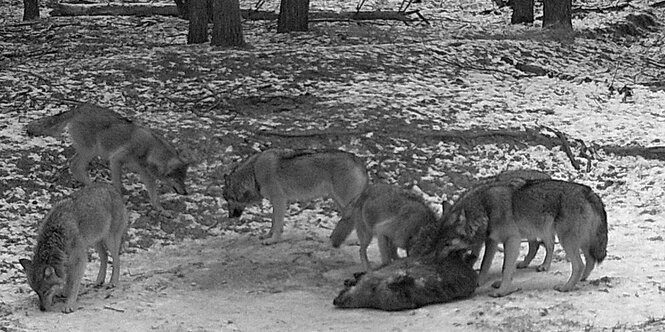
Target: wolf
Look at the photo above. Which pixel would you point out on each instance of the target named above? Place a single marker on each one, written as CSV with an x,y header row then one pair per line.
x,y
393,214
505,213
93,216
410,283
293,175
517,178
99,132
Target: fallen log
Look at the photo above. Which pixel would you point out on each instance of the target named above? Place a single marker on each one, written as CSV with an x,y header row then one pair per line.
x,y
136,9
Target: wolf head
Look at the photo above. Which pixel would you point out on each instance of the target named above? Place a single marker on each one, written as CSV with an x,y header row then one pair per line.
x,y
44,280
176,173
240,188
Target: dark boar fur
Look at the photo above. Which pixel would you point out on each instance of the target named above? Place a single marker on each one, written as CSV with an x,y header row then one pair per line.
x,y
410,283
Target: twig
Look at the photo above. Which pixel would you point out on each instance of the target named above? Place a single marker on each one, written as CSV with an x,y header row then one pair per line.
x,y
566,147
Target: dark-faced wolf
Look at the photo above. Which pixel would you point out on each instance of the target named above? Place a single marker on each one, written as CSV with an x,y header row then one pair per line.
x,y
410,283
506,212
93,216
282,176
99,132
393,214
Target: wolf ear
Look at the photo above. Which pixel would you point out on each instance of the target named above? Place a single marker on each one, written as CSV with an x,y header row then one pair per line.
x,y
27,265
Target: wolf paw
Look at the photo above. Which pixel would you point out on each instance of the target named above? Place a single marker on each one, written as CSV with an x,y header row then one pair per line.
x,y
523,265
505,292
564,288
270,241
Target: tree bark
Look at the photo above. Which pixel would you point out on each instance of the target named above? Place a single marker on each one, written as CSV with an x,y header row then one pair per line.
x,y
30,10
557,14
183,8
198,22
227,27
522,11
293,16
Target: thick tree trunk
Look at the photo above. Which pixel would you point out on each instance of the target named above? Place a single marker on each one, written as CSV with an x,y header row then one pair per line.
x,y
198,22
30,10
293,16
522,11
557,14
227,27
183,8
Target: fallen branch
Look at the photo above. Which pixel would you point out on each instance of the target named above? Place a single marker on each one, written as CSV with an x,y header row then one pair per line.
x,y
140,9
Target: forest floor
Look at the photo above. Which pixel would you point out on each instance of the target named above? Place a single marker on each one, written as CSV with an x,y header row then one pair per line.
x,y
416,102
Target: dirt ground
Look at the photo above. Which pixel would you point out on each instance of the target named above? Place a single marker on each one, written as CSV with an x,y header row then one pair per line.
x,y
234,283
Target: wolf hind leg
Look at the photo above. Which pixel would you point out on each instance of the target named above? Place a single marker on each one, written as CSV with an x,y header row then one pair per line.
x,y
533,250
590,263
572,249
103,260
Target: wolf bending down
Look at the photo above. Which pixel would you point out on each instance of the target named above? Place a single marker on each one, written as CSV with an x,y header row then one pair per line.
x,y
393,214
293,175
99,132
93,216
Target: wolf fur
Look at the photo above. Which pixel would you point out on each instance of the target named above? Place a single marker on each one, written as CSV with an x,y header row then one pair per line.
x,y
393,214
410,283
505,213
93,216
293,175
99,132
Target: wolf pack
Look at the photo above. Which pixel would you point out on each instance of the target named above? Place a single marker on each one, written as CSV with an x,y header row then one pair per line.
x,y
440,249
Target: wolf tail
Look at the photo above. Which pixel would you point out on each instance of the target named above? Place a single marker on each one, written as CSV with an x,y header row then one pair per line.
x,y
598,245
49,125
341,232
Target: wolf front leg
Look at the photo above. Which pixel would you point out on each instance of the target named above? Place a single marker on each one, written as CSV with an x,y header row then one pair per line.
x,y
278,211
75,272
511,251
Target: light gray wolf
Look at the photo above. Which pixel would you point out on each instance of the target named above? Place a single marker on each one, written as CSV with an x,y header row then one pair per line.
x,y
410,283
293,175
506,212
93,216
99,132
393,214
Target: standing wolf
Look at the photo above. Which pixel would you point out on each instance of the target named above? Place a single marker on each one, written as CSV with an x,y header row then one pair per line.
x,y
285,175
99,132
393,214
93,216
505,213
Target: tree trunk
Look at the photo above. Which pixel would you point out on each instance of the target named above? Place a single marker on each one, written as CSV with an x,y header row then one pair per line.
x,y
30,10
522,11
557,14
293,16
183,8
227,27
198,22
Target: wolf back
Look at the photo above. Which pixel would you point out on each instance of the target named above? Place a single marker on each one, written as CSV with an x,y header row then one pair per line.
x,y
94,216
